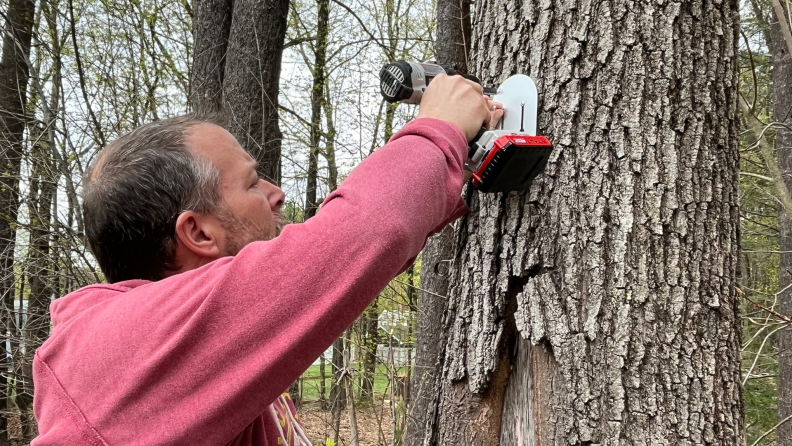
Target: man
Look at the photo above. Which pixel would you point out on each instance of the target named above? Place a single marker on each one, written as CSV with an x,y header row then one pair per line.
x,y
208,316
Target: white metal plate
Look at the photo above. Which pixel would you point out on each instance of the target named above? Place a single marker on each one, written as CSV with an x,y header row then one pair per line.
x,y
513,93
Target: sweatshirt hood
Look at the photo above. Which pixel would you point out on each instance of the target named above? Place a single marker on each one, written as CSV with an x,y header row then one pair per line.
x,y
76,302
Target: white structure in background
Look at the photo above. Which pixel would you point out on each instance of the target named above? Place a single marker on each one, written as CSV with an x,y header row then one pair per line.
x,y
396,325
392,349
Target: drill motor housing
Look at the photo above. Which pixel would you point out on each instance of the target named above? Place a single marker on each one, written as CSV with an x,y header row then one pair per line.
x,y
403,81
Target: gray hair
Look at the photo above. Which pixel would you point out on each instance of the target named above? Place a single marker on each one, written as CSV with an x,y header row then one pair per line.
x,y
135,191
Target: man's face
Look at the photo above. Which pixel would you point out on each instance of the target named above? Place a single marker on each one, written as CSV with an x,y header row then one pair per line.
x,y
251,208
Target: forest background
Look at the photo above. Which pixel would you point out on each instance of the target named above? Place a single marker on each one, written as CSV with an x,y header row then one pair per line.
x,y
79,73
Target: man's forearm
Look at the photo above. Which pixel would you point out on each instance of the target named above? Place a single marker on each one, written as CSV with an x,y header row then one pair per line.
x,y
222,341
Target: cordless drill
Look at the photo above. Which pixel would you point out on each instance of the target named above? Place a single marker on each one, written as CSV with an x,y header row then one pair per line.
x,y
501,160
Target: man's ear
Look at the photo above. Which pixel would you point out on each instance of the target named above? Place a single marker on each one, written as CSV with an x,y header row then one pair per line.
x,y
199,234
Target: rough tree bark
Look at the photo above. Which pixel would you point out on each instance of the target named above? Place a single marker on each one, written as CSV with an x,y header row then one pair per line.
x,y
252,78
453,33
14,77
237,61
782,108
600,306
211,27
452,45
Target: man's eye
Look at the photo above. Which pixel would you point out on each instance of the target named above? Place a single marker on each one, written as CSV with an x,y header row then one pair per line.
x,y
255,184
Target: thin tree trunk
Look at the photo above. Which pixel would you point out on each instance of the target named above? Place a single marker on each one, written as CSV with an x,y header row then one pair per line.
x,y
39,276
435,269
14,77
337,391
371,325
251,80
350,395
329,152
322,385
613,278
782,112
412,305
317,102
42,191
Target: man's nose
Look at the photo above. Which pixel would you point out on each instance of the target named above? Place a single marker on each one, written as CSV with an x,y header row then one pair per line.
x,y
274,195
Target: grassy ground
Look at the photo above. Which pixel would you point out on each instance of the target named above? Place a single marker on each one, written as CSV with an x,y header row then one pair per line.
x,y
311,381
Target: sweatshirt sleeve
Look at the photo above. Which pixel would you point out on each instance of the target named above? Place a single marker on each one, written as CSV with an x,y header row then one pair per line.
x,y
195,358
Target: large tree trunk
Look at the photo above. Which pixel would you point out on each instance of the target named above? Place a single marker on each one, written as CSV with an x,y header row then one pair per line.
x,y
236,66
453,34
14,76
452,45
782,106
211,26
252,78
607,292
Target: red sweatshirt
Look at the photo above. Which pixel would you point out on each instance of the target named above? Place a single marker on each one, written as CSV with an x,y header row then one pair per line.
x,y
199,358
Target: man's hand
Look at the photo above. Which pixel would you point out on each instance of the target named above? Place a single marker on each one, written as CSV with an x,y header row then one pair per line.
x,y
458,101
495,111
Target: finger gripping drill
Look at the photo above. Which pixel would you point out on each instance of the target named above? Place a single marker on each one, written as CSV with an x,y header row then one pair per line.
x,y
502,160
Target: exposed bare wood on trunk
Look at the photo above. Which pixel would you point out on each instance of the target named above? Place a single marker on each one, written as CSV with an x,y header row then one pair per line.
x,y
622,258
14,76
251,80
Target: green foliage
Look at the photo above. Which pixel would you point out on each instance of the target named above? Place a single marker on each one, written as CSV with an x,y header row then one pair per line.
x,y
759,237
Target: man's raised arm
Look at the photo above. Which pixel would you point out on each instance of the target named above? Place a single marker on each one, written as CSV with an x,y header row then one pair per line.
x,y
219,343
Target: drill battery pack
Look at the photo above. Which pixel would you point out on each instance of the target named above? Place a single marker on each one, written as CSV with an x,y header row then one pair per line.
x,y
513,162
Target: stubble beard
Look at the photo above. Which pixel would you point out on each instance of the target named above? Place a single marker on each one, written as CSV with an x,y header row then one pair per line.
x,y
241,232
